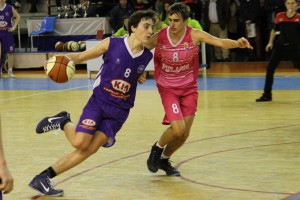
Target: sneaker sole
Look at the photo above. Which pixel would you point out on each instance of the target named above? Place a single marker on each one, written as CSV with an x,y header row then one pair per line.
x,y
177,174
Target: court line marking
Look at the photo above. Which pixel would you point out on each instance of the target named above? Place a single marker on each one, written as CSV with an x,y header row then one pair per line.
x,y
232,188
190,181
42,93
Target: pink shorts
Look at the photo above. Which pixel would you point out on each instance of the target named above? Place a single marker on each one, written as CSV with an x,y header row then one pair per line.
x,y
178,103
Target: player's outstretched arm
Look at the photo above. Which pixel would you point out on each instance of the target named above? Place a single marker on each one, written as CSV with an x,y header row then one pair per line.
x,y
92,53
202,36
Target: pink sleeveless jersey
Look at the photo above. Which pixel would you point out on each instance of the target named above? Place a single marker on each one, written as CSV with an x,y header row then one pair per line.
x,y
176,65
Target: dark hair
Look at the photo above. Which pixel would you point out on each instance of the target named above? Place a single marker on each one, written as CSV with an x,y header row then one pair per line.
x,y
180,9
138,16
124,18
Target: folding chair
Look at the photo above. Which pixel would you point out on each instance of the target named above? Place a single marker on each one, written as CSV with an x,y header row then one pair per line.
x,y
47,28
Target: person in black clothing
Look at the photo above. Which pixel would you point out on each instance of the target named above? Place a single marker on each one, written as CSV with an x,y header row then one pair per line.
x,y
118,12
288,44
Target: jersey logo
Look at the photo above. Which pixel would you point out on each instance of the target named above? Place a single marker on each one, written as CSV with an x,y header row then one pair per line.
x,y
118,60
120,85
3,24
186,46
140,69
89,122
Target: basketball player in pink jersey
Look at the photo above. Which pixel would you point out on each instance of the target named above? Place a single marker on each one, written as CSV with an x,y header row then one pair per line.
x,y
176,62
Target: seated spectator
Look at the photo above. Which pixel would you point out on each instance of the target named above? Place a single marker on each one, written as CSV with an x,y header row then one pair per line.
x,y
123,31
118,12
164,16
143,4
158,24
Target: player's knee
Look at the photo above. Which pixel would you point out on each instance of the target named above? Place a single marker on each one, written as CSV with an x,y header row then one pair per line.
x,y
80,145
178,132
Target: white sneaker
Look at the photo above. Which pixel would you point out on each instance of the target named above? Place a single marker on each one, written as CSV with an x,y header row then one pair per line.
x,y
10,74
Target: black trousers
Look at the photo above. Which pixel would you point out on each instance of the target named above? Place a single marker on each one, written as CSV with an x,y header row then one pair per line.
x,y
280,51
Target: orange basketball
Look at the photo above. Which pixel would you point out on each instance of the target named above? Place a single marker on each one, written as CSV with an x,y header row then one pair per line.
x,y
60,69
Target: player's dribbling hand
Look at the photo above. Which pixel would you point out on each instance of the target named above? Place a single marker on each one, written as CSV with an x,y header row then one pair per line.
x,y
142,78
243,43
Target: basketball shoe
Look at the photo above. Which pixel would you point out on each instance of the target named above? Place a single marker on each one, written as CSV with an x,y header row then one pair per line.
x,y
53,123
154,157
45,185
10,74
165,165
264,97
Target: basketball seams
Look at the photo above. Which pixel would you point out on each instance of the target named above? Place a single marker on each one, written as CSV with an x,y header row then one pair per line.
x,y
60,69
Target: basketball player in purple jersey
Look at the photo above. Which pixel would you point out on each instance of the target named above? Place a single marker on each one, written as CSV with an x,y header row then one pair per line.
x,y
6,179
176,63
114,90
7,13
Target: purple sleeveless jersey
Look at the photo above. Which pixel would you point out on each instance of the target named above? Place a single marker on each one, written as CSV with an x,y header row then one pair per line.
x,y
114,90
6,16
6,38
116,81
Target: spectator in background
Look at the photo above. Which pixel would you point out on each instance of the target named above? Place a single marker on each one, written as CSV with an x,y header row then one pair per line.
x,y
124,30
216,18
232,26
250,16
33,8
117,14
71,2
141,5
196,7
7,12
158,24
164,16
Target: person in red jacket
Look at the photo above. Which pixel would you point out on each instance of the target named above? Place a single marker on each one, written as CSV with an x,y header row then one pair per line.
x,y
288,44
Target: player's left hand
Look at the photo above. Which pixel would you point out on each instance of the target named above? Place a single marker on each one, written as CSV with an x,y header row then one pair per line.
x,y
243,43
11,29
142,78
7,184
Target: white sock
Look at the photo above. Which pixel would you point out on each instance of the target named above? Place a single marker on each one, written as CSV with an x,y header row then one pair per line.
x,y
159,145
163,156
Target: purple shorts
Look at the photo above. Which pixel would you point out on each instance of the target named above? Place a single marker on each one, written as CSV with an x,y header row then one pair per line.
x,y
7,42
100,116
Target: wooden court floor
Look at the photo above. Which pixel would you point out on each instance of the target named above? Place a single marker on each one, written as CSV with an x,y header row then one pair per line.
x,y
238,149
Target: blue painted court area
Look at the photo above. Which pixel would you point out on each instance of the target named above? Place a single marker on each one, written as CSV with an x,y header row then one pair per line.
x,y
209,83
297,197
